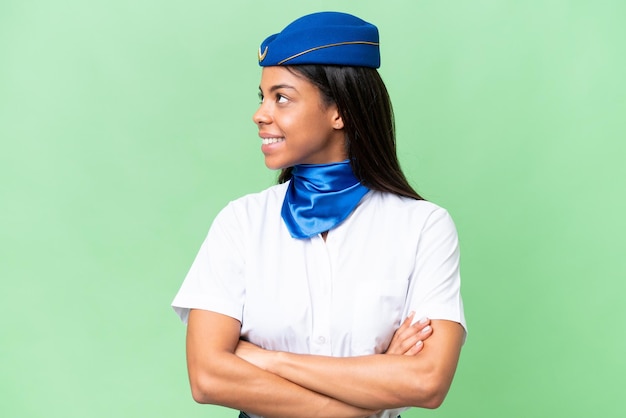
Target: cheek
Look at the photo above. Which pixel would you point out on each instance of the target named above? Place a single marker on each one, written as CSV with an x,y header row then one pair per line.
x,y
299,124
309,122
288,122
314,122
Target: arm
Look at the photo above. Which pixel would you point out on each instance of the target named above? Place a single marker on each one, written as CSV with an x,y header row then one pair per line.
x,y
218,376
376,381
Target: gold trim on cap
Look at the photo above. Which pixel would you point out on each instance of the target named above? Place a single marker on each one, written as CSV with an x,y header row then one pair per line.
x,y
321,47
262,55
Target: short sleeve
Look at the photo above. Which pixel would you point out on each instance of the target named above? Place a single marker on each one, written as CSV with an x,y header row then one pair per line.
x,y
215,281
435,287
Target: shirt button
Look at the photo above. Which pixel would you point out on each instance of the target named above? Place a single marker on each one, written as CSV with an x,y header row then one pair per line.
x,y
321,340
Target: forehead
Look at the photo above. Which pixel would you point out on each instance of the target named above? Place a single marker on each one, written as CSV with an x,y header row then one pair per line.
x,y
274,77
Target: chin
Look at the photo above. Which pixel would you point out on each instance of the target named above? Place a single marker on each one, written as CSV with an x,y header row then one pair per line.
x,y
274,166
274,162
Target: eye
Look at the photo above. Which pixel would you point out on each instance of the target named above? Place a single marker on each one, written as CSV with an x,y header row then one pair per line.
x,y
281,99
260,97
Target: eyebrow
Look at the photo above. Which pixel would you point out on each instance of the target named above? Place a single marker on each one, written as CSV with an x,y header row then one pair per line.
x,y
277,87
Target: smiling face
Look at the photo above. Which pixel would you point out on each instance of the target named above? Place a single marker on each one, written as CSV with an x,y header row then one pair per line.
x,y
295,125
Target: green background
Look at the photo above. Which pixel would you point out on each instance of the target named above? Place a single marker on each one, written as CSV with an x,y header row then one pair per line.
x,y
126,125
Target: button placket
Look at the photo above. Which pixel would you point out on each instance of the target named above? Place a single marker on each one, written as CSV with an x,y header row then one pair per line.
x,y
322,300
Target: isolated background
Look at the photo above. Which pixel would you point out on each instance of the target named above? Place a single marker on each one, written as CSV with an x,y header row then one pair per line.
x,y
126,125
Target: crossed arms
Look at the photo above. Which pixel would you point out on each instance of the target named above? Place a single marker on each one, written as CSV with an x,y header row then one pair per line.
x,y
226,371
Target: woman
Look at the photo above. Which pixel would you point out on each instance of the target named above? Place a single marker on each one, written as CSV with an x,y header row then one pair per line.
x,y
303,295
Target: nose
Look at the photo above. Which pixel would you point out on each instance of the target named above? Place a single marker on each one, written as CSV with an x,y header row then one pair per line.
x,y
262,116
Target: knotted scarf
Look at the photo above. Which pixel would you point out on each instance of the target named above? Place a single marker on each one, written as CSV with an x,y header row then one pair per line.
x,y
319,197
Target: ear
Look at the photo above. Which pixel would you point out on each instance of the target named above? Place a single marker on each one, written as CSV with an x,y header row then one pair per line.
x,y
337,120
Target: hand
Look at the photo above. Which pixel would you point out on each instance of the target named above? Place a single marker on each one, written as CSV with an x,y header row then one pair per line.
x,y
409,339
252,354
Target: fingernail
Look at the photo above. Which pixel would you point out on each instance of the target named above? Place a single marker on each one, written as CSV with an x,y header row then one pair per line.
x,y
426,329
411,314
419,343
423,320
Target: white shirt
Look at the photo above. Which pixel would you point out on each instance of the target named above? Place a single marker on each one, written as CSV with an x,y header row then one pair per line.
x,y
341,297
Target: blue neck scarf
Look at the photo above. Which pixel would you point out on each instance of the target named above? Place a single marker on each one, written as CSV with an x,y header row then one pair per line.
x,y
320,197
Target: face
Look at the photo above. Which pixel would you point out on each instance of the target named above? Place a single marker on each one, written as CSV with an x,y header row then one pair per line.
x,y
295,125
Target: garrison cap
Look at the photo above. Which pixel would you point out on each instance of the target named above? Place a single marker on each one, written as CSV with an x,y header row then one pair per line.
x,y
328,38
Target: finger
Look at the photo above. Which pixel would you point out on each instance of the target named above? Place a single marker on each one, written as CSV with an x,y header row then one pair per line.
x,y
409,343
414,343
403,332
416,348
406,323
421,323
415,329
426,332
423,334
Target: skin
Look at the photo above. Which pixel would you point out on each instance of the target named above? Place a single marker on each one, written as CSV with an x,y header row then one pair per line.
x,y
222,371
218,376
377,381
226,371
409,338
292,108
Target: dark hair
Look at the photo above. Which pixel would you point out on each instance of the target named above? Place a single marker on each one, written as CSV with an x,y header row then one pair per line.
x,y
364,105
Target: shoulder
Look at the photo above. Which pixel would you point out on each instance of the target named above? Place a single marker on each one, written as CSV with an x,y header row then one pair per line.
x,y
408,218
253,206
403,208
271,195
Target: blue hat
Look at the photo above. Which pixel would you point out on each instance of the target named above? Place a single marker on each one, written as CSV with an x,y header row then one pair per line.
x,y
330,38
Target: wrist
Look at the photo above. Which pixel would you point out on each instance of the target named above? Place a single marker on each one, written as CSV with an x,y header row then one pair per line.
x,y
275,359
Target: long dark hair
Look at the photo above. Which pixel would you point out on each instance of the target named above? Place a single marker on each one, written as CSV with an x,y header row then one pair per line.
x,y
363,102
